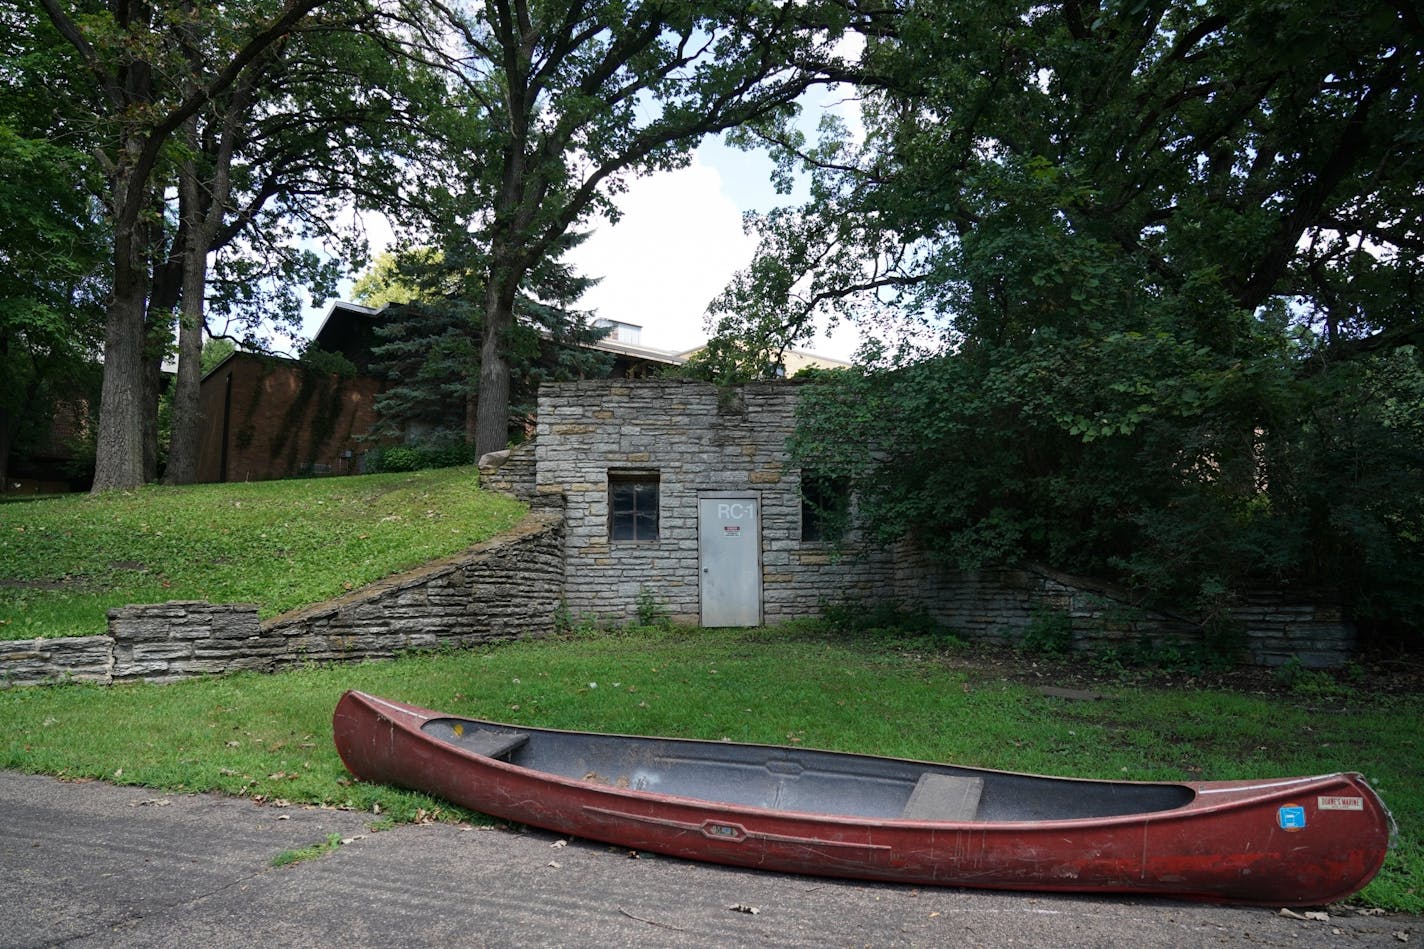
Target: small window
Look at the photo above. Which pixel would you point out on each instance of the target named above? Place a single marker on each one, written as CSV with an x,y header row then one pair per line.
x,y
633,505
825,506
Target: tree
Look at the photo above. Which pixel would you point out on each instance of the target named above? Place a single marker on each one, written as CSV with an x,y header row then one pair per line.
x,y
51,249
431,328
335,117
1148,255
145,83
50,296
252,113
565,98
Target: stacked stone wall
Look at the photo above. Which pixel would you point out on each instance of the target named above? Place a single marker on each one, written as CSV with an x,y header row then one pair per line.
x,y
699,439
1005,605
511,472
506,588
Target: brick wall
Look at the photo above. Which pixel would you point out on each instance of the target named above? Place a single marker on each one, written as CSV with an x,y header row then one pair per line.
x,y
266,418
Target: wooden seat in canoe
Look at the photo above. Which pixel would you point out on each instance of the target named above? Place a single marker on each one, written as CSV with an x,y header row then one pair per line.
x,y
944,797
492,744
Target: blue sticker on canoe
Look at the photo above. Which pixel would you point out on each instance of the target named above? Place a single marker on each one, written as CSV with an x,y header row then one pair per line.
x,y
1291,817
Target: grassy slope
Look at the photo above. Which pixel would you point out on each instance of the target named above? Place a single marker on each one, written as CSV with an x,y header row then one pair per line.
x,y
279,544
270,736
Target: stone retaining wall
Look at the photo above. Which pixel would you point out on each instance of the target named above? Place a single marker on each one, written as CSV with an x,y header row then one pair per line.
x,y
699,438
1007,605
511,471
503,589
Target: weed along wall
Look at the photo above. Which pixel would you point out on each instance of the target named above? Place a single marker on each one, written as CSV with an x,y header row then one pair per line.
x,y
503,589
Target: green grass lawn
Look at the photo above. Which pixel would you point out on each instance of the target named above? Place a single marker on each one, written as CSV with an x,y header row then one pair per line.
x,y
269,737
280,544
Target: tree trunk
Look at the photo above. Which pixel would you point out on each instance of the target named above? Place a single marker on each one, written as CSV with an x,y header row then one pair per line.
x,y
492,412
183,436
158,330
183,440
7,424
118,459
472,416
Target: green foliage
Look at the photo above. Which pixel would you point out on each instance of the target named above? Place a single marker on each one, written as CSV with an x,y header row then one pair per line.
x,y
51,295
280,544
214,352
1313,683
429,348
395,278
1137,292
881,619
288,857
1049,633
439,453
650,612
319,360
572,99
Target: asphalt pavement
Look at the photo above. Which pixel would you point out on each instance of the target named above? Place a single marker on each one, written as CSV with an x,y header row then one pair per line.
x,y
91,864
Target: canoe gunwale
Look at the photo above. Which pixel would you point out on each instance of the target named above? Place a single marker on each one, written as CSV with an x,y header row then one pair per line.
x,y
1196,807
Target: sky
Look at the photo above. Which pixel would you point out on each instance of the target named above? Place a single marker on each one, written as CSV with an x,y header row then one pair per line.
x,y
679,241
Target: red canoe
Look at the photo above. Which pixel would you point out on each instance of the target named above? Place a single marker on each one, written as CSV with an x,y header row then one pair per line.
x,y
1283,842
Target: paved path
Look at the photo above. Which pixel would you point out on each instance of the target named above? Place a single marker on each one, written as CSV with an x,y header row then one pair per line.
x,y
88,864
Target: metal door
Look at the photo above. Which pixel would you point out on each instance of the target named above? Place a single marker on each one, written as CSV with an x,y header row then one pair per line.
x,y
729,556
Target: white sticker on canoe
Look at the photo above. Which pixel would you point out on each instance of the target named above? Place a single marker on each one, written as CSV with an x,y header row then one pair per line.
x,y
1325,803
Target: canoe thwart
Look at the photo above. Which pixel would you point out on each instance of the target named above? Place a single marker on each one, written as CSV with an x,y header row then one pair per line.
x,y
482,741
944,797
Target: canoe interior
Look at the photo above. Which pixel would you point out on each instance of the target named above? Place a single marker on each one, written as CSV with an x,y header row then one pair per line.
x,y
815,782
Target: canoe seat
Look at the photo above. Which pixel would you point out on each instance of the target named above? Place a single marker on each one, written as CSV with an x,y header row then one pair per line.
x,y
944,797
492,744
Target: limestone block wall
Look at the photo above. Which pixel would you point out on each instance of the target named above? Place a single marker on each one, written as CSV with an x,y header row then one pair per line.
x,y
503,589
69,659
511,471
1002,605
698,438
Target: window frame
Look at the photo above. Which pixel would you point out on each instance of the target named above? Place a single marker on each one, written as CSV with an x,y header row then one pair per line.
x,y
825,503
630,525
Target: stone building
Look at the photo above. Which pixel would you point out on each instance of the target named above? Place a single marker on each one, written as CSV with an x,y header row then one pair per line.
x,y
683,492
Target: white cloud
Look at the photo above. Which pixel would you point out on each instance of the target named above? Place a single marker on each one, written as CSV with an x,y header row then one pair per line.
x,y
678,243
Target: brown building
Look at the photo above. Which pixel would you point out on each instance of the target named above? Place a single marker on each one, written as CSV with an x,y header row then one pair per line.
x,y
266,417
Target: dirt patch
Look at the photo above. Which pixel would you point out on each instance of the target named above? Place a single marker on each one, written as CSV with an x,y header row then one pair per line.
x,y
36,584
